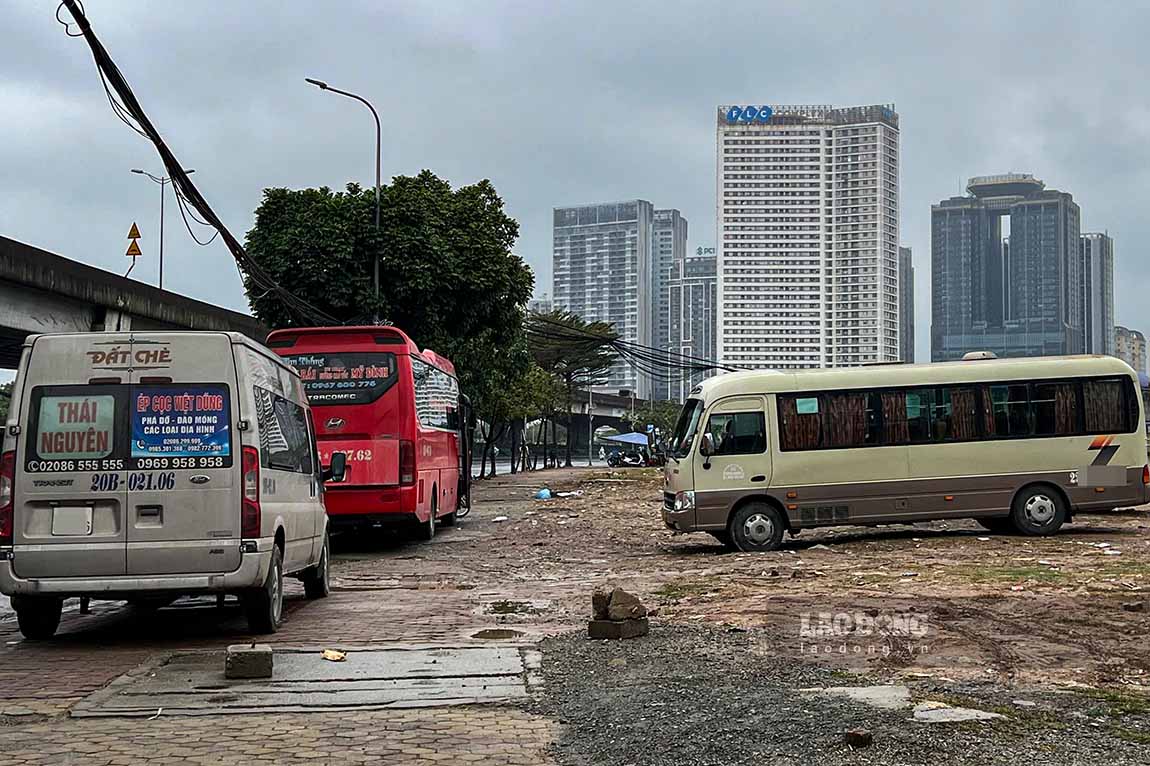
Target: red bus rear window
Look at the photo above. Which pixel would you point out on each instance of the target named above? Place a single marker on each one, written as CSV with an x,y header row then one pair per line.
x,y
344,378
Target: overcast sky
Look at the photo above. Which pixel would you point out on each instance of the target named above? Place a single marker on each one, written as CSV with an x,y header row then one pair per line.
x,y
557,103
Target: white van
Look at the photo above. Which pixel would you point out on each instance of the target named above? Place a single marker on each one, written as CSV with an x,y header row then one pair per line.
x,y
150,465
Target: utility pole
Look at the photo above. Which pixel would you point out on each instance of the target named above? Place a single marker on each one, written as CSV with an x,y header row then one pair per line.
x,y
378,164
590,426
163,181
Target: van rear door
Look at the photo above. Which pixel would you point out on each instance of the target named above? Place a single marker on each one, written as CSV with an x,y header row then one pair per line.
x,y
183,498
71,484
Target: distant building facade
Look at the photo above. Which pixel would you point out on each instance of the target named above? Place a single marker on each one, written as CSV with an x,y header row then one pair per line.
x,y
808,224
602,272
1016,296
905,305
1097,282
692,292
540,305
1130,347
669,246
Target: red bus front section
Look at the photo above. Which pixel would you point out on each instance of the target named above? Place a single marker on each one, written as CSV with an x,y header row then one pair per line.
x,y
392,409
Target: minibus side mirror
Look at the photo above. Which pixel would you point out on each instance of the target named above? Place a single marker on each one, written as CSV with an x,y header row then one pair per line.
x,y
706,448
338,468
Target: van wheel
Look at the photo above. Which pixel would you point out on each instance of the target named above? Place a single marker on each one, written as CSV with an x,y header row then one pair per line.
x,y
1038,510
756,527
38,617
265,605
315,579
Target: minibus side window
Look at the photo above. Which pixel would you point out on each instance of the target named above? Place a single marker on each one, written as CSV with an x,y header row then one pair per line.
x,y
738,433
1105,412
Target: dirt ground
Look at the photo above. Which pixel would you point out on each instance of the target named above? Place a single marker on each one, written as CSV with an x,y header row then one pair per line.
x,y
1063,611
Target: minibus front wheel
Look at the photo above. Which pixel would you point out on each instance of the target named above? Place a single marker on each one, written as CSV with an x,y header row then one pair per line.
x,y
757,526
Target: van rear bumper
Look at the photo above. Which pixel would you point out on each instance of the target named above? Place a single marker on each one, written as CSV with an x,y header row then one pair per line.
x,y
252,572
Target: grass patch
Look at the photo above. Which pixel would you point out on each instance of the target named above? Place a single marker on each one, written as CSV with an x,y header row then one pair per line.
x,y
1118,702
1039,573
511,607
677,590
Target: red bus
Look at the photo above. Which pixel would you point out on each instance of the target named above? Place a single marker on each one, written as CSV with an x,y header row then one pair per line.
x,y
398,415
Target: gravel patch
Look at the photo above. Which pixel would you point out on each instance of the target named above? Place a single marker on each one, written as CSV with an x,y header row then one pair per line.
x,y
688,695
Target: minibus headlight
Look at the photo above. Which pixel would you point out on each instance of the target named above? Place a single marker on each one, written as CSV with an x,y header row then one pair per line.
x,y
685,501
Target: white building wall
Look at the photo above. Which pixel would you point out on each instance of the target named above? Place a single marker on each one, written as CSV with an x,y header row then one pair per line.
x,y
807,217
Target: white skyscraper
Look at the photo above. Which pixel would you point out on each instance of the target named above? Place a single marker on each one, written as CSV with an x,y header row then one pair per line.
x,y
602,272
807,217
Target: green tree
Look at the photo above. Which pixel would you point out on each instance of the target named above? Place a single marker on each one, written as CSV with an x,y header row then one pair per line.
x,y
575,351
447,274
5,400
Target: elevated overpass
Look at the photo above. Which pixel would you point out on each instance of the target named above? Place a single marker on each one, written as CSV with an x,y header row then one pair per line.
x,y
44,292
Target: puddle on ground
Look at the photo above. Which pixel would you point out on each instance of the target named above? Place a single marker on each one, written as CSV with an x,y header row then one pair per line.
x,y
497,633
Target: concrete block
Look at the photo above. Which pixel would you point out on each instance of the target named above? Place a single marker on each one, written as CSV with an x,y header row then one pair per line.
x,y
615,629
248,661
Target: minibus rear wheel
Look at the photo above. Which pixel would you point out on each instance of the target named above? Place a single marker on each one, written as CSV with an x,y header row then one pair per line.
x,y
1038,510
757,527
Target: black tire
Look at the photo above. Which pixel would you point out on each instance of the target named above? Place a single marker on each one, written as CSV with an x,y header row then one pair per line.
x,y
1038,510
724,538
316,582
998,525
426,530
264,606
756,527
38,617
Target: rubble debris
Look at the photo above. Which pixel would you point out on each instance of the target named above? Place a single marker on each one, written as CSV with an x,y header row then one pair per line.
x,y
332,655
617,614
858,738
543,494
1134,606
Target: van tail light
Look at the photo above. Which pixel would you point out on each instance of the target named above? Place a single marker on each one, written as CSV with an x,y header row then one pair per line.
x,y
250,514
1146,474
7,491
406,462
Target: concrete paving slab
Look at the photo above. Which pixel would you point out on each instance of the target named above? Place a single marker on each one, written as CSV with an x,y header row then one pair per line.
x,y
193,683
884,697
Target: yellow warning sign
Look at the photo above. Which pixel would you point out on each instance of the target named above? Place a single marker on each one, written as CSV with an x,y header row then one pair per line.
x,y
134,232
134,249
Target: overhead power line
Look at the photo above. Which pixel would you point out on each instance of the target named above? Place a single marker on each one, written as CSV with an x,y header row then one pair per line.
x,y
127,108
659,364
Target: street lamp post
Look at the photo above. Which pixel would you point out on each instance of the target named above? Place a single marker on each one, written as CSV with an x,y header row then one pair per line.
x,y
163,181
378,165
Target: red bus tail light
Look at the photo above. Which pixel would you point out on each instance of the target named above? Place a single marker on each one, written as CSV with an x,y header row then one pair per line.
x,y
250,515
7,492
406,462
1146,474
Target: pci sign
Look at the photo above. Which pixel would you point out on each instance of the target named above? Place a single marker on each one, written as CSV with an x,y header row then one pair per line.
x,y
749,114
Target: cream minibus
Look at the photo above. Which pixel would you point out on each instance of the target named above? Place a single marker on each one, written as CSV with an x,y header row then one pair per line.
x,y
1016,444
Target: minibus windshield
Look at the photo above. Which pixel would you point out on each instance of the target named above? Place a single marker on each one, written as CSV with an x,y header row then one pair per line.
x,y
685,429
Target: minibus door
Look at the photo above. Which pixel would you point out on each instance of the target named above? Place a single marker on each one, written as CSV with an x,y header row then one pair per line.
x,y
70,494
739,461
183,501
